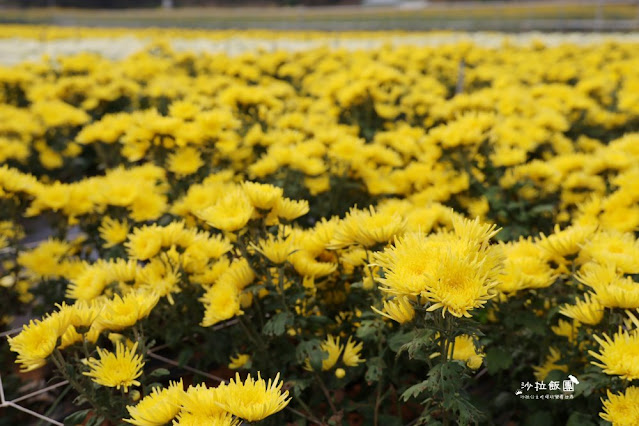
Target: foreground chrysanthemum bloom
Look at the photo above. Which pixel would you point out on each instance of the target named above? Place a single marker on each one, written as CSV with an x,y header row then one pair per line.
x,y
616,356
157,408
119,369
455,271
201,400
253,400
622,409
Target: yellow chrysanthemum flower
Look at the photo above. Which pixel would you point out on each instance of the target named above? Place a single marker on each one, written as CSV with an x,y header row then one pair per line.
x,y
367,228
157,408
239,361
37,340
458,285
618,355
455,271
550,364
262,196
465,350
80,314
288,209
239,274
276,249
622,409
185,161
253,400
352,351
612,248
587,311
144,243
565,242
611,289
190,419
230,213
398,309
525,266
113,232
566,329
332,348
201,400
221,302
122,312
305,264
44,260
160,276
119,369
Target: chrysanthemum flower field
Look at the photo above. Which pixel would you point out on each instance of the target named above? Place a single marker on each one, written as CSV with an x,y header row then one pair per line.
x,y
326,230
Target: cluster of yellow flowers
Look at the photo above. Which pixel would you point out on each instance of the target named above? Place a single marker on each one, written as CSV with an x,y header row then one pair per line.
x,y
238,178
251,400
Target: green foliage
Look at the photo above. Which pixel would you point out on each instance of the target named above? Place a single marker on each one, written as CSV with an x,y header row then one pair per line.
x,y
498,359
277,325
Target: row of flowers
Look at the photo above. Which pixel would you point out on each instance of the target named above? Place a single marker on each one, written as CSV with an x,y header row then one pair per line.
x,y
381,226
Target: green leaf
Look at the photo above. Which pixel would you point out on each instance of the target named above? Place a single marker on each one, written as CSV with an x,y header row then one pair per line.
x,y
580,419
155,385
414,391
159,372
540,418
397,340
447,380
367,330
375,369
498,359
531,322
311,350
299,385
542,208
468,413
95,421
421,344
76,418
276,326
390,420
185,356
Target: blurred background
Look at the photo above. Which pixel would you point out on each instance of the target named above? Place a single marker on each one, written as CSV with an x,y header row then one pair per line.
x,y
332,15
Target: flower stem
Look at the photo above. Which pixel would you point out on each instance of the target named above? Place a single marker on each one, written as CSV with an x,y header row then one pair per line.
x,y
327,394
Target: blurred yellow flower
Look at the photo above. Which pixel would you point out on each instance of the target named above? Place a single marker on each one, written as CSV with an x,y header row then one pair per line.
x,y
113,232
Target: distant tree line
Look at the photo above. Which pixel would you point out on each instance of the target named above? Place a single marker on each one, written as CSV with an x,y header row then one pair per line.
x,y
112,4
